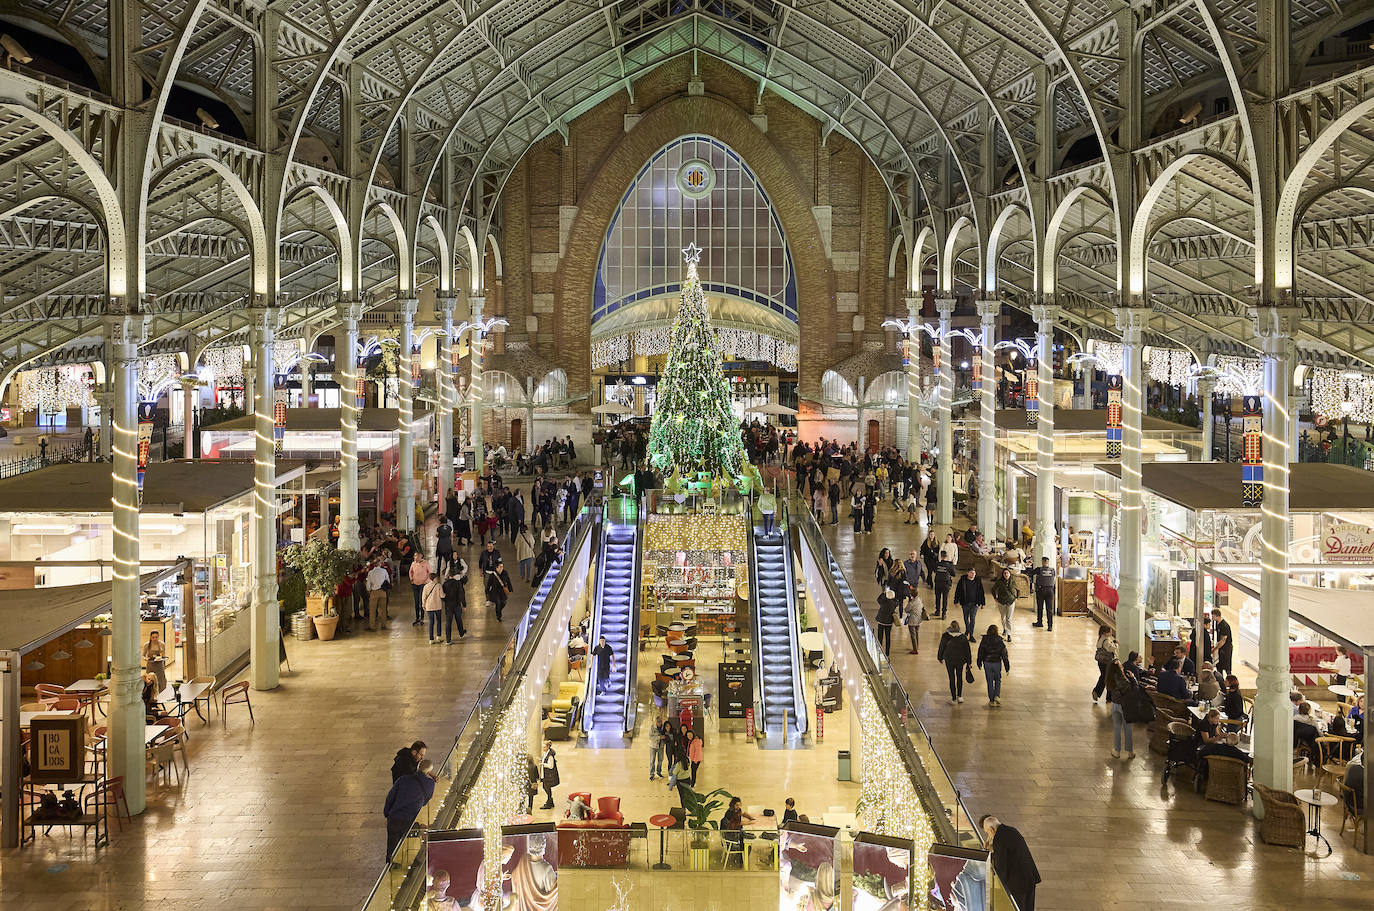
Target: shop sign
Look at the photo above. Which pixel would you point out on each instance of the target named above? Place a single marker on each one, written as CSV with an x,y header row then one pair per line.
x,y
820,723
1345,542
57,753
750,731
736,688
830,695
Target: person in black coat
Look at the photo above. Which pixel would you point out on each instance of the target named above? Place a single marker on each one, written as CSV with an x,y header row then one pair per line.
x,y
887,614
956,655
1012,862
455,601
405,800
407,760
968,595
498,587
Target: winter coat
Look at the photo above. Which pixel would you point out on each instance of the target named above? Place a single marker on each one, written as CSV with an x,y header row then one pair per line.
x,y
954,650
408,796
969,592
524,546
993,651
1004,590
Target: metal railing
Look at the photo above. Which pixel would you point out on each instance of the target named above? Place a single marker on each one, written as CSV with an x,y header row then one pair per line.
x,y
77,452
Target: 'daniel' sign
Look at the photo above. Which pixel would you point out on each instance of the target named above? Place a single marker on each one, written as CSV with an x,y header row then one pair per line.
x,y
1345,542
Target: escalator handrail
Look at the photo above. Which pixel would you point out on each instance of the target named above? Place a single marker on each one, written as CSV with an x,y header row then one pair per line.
x,y
793,633
632,643
755,625
594,631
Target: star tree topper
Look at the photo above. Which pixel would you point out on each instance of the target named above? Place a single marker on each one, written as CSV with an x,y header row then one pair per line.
x,y
692,253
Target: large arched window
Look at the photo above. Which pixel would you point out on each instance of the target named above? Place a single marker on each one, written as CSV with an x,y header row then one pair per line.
x,y
695,189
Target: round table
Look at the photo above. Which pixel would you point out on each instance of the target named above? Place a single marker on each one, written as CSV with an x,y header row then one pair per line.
x,y
683,657
664,822
1315,800
1338,689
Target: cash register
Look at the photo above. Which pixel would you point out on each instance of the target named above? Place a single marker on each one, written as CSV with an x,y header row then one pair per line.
x,y
1163,639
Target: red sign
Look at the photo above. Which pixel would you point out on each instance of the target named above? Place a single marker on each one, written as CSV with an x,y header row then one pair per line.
x,y
749,730
820,723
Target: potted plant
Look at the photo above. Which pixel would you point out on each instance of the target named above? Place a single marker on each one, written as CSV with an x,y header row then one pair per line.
x,y
323,567
699,808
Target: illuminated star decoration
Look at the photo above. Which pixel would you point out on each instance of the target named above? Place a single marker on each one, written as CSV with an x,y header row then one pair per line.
x,y
692,253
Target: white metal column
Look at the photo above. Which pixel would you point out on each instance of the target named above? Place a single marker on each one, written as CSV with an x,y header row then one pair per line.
x,y
346,369
405,498
265,654
476,344
1273,716
913,380
443,381
1045,539
988,311
944,477
1130,608
127,742
1206,386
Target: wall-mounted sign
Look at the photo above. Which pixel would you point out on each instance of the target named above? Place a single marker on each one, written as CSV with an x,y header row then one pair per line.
x,y
1346,542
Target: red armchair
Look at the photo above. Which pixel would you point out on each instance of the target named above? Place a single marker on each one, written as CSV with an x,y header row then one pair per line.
x,y
586,798
608,808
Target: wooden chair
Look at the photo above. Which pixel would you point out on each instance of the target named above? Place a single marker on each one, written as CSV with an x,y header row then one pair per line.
x,y
68,704
109,793
233,694
160,759
1228,779
48,693
1284,821
1352,811
175,735
34,707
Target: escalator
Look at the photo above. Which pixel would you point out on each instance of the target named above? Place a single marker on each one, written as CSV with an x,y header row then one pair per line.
x,y
777,662
616,618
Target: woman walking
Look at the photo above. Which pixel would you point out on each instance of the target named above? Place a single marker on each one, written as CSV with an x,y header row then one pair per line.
x,y
887,609
856,512
1104,656
955,654
930,555
694,754
1119,684
914,616
443,547
1004,593
993,658
524,551
462,525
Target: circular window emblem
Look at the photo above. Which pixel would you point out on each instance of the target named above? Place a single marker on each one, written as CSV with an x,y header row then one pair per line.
x,y
696,178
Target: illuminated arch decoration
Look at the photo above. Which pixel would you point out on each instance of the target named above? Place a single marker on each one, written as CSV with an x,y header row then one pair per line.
x,y
727,213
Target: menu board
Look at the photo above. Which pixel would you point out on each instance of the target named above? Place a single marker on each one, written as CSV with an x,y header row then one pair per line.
x,y
736,688
57,751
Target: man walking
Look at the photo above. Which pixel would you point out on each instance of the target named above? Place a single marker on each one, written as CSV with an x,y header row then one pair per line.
x,y
1043,579
455,601
515,514
968,596
605,665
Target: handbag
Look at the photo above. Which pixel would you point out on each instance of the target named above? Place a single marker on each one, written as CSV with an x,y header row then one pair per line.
x,y
968,670
1137,707
925,614
1104,655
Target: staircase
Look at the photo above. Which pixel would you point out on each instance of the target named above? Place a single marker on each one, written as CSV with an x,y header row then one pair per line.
x,y
617,619
775,629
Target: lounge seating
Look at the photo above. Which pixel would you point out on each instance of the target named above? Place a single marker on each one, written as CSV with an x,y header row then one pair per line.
x,y
1284,822
608,808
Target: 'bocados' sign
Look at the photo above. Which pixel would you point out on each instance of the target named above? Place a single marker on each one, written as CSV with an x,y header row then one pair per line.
x,y
1345,542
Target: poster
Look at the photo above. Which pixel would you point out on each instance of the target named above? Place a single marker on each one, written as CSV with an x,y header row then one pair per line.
x,y
529,862
736,687
882,874
57,751
959,879
829,693
807,862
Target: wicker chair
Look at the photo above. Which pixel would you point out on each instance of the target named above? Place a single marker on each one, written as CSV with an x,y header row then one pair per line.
x,y
1159,731
1284,822
1228,779
1176,707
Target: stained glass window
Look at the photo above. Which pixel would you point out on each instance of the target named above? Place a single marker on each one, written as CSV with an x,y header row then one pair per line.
x,y
695,189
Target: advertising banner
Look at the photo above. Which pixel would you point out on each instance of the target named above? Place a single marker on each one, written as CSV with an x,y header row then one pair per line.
x,y
829,692
1345,542
808,877
529,866
736,688
959,879
882,874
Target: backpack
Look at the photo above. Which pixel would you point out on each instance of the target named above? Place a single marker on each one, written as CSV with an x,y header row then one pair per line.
x,y
1137,707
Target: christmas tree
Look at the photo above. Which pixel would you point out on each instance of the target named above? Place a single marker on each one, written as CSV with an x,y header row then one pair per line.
x,y
693,429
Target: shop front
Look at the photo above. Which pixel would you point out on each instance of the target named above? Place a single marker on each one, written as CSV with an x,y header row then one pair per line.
x,y
56,530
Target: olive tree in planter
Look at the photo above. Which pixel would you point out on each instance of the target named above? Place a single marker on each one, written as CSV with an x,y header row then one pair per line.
x,y
323,566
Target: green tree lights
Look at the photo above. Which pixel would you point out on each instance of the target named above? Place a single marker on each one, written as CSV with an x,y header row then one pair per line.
x,y
693,428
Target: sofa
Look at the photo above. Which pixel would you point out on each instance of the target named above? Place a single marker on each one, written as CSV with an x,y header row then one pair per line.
x,y
593,843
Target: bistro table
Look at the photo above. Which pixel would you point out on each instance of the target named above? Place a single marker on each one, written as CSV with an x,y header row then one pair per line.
x,y
184,696
1341,690
89,691
26,718
664,822
1315,800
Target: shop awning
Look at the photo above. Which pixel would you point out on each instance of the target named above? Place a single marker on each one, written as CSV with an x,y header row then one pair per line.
x,y
1336,613
317,420
1312,486
177,486
31,616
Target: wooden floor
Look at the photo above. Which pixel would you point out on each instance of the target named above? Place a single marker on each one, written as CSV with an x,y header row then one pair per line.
x,y
287,813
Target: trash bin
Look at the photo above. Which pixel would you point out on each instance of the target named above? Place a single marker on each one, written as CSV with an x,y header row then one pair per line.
x,y
844,766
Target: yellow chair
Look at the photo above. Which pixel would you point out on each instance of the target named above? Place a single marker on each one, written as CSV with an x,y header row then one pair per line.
x,y
567,691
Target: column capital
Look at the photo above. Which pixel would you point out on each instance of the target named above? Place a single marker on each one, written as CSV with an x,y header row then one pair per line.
x,y
1046,314
945,307
1131,322
263,318
989,311
446,304
477,302
349,309
913,307
125,331
1275,321
408,307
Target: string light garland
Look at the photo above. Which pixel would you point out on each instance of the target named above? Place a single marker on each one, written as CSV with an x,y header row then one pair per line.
x,y
610,351
1239,375
1335,390
1171,366
652,341
285,354
225,365
693,427
1108,354
695,533
155,373
888,802
54,389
